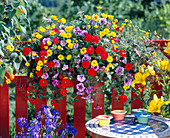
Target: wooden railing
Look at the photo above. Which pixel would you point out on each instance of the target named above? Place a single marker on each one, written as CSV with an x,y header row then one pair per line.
x,y
79,107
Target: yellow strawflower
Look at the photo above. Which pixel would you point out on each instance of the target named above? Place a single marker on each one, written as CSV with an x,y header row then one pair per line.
x,y
49,42
95,17
94,63
49,52
54,17
68,35
60,57
69,57
42,29
27,64
38,68
126,20
31,75
110,17
83,50
40,63
8,81
52,32
89,26
48,27
70,45
110,59
104,15
88,17
96,26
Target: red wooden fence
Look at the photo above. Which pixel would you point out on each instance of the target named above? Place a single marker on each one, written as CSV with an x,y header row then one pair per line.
x,y
79,107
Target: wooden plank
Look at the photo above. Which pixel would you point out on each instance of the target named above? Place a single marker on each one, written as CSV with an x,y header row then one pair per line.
x,y
135,103
79,115
61,107
39,103
100,100
4,111
116,105
21,103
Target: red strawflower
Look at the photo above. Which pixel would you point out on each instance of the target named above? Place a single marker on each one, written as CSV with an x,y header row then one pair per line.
x,y
51,64
122,53
33,100
90,50
39,73
37,59
25,96
63,91
117,41
71,84
94,40
42,45
91,72
55,40
104,55
43,82
114,49
65,83
26,51
56,30
119,28
43,53
123,98
114,58
71,69
30,88
128,66
53,102
99,50
87,37
86,64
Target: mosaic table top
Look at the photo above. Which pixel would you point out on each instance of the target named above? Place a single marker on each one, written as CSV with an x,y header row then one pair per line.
x,y
156,127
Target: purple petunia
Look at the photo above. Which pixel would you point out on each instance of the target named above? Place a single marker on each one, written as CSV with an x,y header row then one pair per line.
x,y
95,68
83,33
56,82
57,63
75,45
55,75
77,61
80,87
63,43
45,76
102,21
119,70
80,93
127,81
86,58
102,68
89,89
45,41
91,100
77,30
65,67
81,78
86,97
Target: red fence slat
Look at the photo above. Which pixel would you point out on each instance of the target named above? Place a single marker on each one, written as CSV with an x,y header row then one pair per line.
x,y
21,103
135,103
4,111
79,117
39,104
100,100
116,105
61,107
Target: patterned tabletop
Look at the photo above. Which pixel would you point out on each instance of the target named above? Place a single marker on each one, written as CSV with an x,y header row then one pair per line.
x,y
156,127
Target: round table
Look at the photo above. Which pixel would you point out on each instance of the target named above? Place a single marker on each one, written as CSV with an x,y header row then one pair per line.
x,y
156,127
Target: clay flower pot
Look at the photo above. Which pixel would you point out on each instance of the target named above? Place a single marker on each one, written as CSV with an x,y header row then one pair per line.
x,y
118,114
104,120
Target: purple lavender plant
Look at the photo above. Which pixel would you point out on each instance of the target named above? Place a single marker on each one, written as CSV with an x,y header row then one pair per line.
x,y
46,125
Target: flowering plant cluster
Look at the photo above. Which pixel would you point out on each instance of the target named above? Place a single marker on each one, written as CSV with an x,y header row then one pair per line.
x,y
90,49
46,125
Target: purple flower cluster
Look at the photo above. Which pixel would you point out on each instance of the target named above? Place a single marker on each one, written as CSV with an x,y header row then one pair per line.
x,y
37,129
80,32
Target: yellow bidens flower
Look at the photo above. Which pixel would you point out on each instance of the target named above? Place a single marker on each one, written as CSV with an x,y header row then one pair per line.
x,y
167,50
116,20
39,36
126,20
94,63
110,17
68,35
49,52
27,64
54,17
95,17
48,27
62,20
68,28
104,15
40,63
42,29
60,57
68,40
70,45
98,7
69,57
52,32
88,17
126,87
38,68
96,26
110,59
31,75
49,42
83,50
89,26
8,81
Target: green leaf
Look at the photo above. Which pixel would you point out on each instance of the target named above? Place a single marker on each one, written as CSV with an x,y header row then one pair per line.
x,y
16,65
77,100
14,55
16,4
1,52
11,13
23,30
6,29
1,81
2,72
10,70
